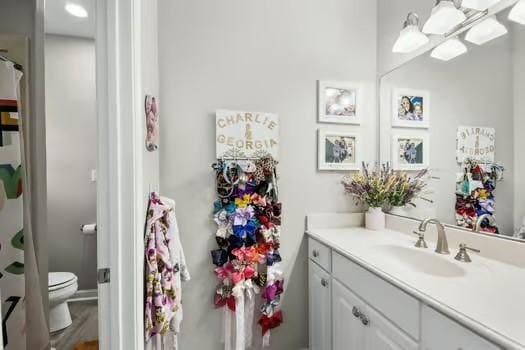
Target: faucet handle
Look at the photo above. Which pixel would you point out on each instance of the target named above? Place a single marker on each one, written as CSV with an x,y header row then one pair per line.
x,y
462,254
421,241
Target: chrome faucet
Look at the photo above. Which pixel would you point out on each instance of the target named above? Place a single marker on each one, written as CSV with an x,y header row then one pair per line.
x,y
442,243
477,226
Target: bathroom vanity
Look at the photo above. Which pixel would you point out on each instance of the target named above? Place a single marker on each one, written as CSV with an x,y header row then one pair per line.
x,y
376,290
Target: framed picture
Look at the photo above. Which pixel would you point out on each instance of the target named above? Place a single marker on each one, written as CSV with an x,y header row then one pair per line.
x,y
338,150
411,108
339,102
410,151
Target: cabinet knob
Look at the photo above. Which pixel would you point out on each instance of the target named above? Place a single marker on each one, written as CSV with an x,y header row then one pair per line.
x,y
324,282
315,253
364,320
356,312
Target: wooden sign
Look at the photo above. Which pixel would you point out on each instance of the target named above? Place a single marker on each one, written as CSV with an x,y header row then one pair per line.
x,y
242,134
478,143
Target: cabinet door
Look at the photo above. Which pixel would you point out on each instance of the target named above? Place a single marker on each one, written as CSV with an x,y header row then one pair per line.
x,y
441,333
381,334
320,320
348,331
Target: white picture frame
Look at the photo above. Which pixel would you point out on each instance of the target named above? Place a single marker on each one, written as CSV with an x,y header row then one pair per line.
x,y
410,151
417,113
347,157
331,110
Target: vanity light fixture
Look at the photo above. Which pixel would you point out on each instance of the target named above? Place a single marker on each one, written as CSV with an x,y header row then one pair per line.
x,y
410,37
448,50
517,14
76,10
479,5
445,16
485,31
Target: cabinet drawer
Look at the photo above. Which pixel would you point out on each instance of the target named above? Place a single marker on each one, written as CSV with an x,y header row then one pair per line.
x,y
397,306
441,333
320,253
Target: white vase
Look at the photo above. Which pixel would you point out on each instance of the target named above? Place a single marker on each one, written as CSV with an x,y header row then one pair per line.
x,y
398,210
375,219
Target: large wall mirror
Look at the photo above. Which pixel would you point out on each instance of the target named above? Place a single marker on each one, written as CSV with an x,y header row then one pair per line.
x,y
458,109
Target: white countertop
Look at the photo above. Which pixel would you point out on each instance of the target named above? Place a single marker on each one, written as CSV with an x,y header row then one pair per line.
x,y
488,296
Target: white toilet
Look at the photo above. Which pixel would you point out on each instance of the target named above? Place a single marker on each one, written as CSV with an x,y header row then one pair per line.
x,y
61,287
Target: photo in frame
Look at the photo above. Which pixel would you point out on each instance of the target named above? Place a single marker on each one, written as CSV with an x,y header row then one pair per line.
x,y
410,108
410,151
339,102
338,150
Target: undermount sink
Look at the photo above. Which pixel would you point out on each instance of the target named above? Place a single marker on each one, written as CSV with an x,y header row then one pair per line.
x,y
421,260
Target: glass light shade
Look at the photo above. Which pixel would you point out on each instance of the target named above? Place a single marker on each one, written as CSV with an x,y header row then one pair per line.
x,y
479,5
444,17
517,14
76,10
448,50
410,39
485,31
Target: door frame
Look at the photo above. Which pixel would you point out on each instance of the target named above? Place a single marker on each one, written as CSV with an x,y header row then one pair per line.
x,y
120,208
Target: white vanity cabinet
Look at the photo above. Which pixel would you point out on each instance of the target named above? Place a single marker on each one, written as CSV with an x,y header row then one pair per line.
x,y
351,308
320,319
442,333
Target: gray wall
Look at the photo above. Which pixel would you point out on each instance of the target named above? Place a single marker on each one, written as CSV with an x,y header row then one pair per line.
x,y
262,56
518,38
71,155
475,89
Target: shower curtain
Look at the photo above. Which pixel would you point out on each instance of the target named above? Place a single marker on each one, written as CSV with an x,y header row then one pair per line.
x,y
22,307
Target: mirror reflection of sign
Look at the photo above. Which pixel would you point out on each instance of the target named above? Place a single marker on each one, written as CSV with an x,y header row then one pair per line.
x,y
478,143
246,134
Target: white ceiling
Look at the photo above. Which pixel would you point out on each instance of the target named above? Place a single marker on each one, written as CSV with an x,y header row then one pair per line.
x,y
59,21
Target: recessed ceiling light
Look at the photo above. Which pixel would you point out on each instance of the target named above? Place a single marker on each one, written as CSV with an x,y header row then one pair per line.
x,y
448,50
479,5
76,10
410,38
486,31
445,16
517,14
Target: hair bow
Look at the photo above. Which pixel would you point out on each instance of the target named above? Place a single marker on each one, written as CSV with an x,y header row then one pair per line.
x,y
247,230
274,273
242,216
248,255
223,296
219,257
244,201
271,322
224,272
273,257
259,200
269,308
273,290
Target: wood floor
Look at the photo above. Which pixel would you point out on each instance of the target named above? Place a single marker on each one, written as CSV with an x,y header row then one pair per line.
x,y
83,329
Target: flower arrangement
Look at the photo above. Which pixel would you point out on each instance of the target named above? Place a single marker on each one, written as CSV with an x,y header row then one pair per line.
x,y
403,189
382,186
368,187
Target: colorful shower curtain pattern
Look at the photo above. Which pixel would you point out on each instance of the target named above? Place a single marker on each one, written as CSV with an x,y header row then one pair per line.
x,y
247,262
12,281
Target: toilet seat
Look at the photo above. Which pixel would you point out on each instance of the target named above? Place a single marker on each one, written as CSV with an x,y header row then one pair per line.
x,y
60,280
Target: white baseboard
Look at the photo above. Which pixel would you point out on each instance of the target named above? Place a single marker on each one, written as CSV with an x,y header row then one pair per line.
x,y
84,295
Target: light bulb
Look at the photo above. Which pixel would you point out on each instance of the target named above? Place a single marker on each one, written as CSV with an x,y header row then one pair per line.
x,y
517,14
445,16
448,50
76,10
485,31
479,5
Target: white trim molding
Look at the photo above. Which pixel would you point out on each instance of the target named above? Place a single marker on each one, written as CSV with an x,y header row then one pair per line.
x,y
120,209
